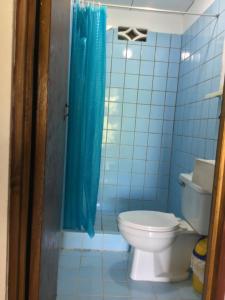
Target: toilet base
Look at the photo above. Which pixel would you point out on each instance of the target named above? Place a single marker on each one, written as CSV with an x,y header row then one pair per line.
x,y
150,266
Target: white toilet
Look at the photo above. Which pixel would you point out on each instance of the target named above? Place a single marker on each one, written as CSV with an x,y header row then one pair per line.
x,y
163,243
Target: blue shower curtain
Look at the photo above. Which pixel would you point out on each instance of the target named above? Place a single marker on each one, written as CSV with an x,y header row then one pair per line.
x,y
86,114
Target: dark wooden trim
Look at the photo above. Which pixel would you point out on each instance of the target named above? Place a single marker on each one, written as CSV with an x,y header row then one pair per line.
x,y
217,217
40,147
221,278
20,147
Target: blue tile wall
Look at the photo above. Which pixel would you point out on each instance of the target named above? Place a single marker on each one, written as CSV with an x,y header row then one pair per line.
x,y
142,79
196,118
157,120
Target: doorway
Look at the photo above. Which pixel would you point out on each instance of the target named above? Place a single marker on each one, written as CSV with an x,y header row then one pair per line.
x,y
47,252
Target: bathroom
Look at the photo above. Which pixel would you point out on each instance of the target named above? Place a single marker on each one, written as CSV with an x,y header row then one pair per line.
x,y
164,77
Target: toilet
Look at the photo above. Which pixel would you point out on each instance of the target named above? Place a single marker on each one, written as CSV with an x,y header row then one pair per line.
x,y
162,243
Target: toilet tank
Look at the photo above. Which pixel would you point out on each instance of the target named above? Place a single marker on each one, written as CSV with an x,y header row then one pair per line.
x,y
195,204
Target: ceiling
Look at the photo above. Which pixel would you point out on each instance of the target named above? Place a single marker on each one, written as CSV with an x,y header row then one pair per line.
x,y
181,5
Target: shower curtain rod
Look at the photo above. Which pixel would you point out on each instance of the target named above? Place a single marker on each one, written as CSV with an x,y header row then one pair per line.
x,y
149,9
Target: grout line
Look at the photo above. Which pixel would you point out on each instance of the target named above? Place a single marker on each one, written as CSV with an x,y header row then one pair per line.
x,y
172,147
147,147
106,138
121,119
157,191
199,32
144,75
135,124
198,69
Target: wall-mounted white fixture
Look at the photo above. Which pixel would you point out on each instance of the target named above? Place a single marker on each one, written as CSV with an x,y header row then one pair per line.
x,y
214,94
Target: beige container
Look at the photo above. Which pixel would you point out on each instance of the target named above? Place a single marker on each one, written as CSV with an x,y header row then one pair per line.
x,y
203,174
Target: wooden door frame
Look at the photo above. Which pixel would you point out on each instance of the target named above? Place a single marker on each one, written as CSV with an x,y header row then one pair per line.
x,y
41,135
221,280
213,281
28,146
23,145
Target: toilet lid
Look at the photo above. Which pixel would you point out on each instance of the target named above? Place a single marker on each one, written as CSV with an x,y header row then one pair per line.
x,y
149,220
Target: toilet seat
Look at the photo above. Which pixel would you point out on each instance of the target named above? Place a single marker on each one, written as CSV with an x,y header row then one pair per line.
x,y
149,221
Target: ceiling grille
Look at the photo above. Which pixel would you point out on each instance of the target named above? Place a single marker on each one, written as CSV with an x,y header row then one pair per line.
x,y
132,34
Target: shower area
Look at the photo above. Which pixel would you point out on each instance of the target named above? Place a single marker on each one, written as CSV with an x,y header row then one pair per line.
x,y
142,78
163,85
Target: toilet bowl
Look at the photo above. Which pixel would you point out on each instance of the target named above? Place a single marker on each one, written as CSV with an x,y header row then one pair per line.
x,y
162,245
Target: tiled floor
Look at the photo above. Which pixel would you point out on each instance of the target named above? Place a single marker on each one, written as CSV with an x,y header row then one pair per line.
x,y
97,275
